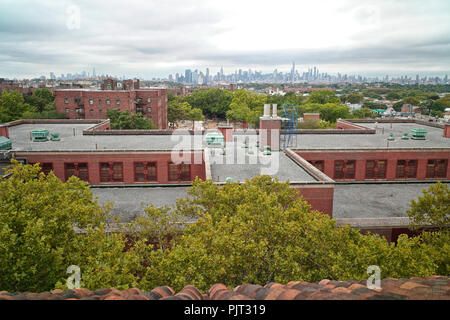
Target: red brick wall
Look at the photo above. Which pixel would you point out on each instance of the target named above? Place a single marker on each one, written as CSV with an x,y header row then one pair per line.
x,y
447,131
314,116
391,156
320,197
127,158
4,131
97,110
269,130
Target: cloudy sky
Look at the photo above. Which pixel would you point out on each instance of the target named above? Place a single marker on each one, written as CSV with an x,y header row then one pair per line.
x,y
152,38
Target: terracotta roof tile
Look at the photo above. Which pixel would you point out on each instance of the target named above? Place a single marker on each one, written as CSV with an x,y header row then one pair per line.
x,y
431,288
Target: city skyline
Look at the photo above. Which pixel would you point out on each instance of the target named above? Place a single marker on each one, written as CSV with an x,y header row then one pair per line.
x,y
151,39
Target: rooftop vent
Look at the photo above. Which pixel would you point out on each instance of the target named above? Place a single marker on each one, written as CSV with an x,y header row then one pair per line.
x,y
39,135
5,143
418,134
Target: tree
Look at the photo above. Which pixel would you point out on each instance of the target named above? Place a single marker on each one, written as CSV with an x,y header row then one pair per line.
x,y
328,112
363,113
212,102
39,216
40,99
195,114
431,208
323,97
12,106
246,106
354,98
261,231
178,109
125,120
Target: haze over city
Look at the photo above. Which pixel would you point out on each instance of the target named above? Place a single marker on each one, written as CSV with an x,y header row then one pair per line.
x,y
148,39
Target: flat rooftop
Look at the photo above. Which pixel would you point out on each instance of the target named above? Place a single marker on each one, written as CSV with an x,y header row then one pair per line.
x,y
20,137
375,200
434,138
241,165
361,201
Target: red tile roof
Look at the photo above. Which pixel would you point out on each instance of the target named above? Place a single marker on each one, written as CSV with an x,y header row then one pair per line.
x,y
427,288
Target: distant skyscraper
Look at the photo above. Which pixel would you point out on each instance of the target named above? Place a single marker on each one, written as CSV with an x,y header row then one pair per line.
x,y
93,73
293,71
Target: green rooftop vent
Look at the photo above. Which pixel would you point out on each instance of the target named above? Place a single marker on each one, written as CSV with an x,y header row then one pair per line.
x,y
391,137
405,136
39,135
250,151
5,143
267,151
418,134
229,179
214,139
55,136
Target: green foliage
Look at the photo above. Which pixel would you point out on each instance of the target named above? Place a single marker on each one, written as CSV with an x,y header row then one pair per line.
x,y
354,98
40,99
328,112
126,120
49,112
259,231
12,106
213,102
246,107
322,97
38,241
363,113
313,124
431,208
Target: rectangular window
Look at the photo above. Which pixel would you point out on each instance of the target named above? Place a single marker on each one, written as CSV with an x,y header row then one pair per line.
x,y
118,102
185,172
149,109
437,168
47,167
338,169
149,100
318,164
344,169
79,170
145,171
117,171
376,169
105,172
406,168
173,172
91,112
108,101
67,110
99,101
91,101
66,100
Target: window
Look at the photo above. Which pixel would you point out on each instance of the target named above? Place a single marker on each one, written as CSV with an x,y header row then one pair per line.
x,y
118,102
406,168
145,171
91,101
79,170
66,100
344,169
108,101
67,110
437,168
100,111
318,164
376,169
91,112
149,100
179,172
111,172
99,101
149,109
108,86
45,167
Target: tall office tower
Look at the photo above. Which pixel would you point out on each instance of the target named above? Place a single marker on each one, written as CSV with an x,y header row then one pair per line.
x,y
315,73
93,73
293,71
221,74
52,76
188,76
207,76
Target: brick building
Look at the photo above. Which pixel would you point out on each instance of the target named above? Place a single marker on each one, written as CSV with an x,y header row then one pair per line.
x,y
125,96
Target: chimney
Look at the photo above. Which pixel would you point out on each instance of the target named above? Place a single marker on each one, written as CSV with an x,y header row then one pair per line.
x,y
447,130
274,113
266,111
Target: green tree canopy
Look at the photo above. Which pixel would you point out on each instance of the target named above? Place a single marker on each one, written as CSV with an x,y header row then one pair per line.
x,y
126,120
247,107
12,106
212,102
323,97
433,207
